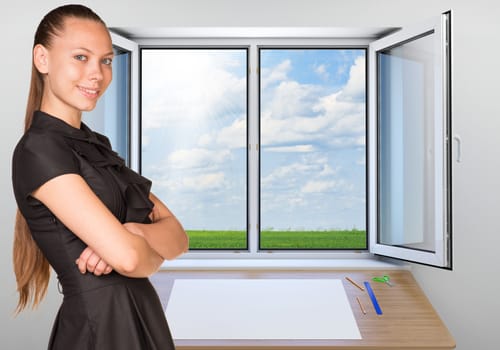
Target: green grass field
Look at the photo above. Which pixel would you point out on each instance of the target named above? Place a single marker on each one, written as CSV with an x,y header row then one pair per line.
x,y
331,239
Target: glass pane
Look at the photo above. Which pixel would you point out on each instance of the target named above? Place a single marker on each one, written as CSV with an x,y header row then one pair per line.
x,y
111,114
313,154
194,137
406,112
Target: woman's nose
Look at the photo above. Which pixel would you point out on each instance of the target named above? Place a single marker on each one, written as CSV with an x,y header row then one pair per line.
x,y
95,71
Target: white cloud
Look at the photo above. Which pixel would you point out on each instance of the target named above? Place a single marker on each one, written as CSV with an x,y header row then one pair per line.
x,y
197,158
304,183
327,171
282,202
356,85
290,99
306,113
205,140
321,71
276,74
286,176
234,135
294,149
229,137
347,141
203,182
338,121
189,86
318,186
195,183
294,174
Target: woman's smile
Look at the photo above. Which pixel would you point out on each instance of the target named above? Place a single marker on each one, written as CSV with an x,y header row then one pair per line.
x,y
89,92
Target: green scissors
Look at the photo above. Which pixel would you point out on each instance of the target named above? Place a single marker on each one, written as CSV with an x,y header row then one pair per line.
x,y
384,279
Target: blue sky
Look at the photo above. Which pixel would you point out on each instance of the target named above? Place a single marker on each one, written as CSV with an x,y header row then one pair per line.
x,y
194,130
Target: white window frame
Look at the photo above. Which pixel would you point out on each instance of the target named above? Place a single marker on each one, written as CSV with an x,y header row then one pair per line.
x,y
253,45
441,256
134,138
253,38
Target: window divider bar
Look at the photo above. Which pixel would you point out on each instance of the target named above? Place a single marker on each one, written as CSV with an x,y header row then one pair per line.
x,y
253,156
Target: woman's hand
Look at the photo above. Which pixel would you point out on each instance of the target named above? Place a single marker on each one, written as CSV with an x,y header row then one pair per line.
x,y
89,261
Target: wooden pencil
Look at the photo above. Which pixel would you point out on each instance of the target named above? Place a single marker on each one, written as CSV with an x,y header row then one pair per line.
x,y
354,283
361,306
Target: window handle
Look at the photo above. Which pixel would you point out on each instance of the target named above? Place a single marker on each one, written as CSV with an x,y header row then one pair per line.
x,y
458,139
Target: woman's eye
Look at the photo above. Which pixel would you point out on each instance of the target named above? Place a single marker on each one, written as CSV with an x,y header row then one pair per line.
x,y
107,61
81,57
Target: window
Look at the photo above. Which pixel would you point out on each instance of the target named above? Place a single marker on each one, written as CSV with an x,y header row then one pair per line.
x,y
312,148
254,141
195,145
194,140
410,152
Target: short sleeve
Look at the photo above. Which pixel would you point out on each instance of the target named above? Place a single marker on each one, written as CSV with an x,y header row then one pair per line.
x,y
38,158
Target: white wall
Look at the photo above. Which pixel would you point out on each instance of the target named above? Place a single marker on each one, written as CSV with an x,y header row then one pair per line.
x,y
467,297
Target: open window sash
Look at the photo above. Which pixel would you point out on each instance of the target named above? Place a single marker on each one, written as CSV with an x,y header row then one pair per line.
x,y
409,153
129,75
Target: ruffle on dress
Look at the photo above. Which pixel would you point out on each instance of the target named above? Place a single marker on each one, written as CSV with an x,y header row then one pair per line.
x,y
134,188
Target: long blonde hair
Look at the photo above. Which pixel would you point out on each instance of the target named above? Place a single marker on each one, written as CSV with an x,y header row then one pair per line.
x,y
31,268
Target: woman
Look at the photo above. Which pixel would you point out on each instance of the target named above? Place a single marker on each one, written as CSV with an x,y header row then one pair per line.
x,y
81,210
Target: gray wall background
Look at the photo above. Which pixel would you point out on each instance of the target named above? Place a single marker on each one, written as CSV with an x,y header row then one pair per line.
x,y
467,297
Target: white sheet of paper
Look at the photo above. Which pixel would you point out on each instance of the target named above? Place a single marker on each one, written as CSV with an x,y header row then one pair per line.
x,y
260,309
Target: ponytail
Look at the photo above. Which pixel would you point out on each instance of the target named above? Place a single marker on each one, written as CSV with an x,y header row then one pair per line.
x,y
30,266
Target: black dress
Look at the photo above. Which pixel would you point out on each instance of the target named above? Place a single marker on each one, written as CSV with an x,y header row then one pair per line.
x,y
100,313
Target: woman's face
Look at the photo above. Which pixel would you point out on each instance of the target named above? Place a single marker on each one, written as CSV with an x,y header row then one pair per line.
x,y
77,67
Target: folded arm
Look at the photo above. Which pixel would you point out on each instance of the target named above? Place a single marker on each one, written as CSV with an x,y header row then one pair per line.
x,y
165,234
74,203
